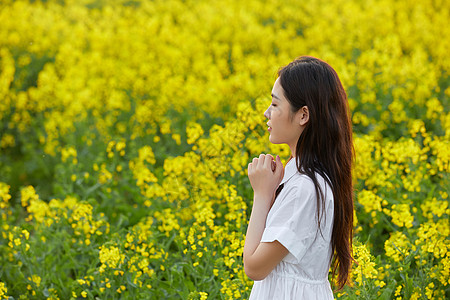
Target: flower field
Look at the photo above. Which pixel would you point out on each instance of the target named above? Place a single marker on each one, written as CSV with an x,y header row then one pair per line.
x,y
126,128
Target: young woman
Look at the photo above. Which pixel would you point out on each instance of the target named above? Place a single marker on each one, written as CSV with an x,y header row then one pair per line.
x,y
302,216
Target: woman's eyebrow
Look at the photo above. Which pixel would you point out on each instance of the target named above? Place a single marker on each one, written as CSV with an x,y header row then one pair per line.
x,y
275,96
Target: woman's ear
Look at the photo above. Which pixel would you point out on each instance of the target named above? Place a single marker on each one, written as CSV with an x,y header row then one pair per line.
x,y
303,115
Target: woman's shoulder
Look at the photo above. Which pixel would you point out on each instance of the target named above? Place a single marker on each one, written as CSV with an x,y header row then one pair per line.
x,y
304,182
300,185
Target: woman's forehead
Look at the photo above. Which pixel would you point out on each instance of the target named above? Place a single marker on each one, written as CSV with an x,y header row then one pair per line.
x,y
277,90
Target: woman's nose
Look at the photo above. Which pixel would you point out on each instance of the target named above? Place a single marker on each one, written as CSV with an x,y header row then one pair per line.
x,y
267,113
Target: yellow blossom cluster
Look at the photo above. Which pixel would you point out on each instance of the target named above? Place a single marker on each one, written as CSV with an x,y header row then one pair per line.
x,y
69,152
83,222
398,246
141,172
370,201
110,257
3,290
434,207
433,238
4,199
17,238
193,132
401,216
365,267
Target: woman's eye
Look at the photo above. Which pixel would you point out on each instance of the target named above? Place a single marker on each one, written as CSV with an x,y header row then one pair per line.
x,y
274,105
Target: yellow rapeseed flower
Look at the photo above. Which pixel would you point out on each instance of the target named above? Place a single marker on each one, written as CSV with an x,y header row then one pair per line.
x,y
3,290
110,257
401,215
397,246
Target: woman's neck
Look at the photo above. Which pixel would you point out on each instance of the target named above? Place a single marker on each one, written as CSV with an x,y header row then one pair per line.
x,y
291,157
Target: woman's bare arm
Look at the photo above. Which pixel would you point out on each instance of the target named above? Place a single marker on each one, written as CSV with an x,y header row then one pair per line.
x,y
261,258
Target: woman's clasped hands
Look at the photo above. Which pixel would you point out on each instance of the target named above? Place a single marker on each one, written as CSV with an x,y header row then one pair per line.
x,y
265,175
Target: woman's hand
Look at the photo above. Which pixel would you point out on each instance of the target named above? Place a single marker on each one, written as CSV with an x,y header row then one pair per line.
x,y
265,175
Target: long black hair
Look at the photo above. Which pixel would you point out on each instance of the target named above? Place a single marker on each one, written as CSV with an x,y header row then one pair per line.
x,y
325,147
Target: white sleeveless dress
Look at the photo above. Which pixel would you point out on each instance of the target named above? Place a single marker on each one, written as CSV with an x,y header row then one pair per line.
x,y
292,220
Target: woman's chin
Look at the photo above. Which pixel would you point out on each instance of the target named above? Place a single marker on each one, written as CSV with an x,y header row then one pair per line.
x,y
273,140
